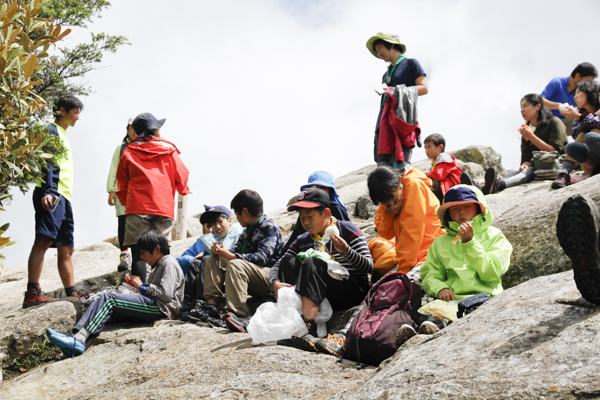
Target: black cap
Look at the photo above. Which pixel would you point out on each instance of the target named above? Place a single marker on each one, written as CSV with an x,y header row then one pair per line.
x,y
311,198
144,123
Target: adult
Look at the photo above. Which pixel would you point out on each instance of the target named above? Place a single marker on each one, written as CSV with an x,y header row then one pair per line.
x,y
401,70
52,197
542,132
149,172
562,90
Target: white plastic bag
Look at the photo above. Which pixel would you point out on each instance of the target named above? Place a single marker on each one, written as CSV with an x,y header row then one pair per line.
x,y
288,298
270,324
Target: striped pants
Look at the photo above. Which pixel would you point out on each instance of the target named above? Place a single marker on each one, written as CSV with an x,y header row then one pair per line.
x,y
127,305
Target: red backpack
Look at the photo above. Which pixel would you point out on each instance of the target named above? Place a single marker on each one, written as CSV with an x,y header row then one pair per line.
x,y
392,302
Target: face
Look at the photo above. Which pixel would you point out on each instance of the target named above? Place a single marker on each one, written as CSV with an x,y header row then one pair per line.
x,y
131,133
432,151
529,111
578,78
220,227
382,52
462,213
151,258
313,221
244,218
580,99
394,206
70,117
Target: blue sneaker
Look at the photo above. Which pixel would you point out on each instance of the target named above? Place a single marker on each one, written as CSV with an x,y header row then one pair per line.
x,y
67,343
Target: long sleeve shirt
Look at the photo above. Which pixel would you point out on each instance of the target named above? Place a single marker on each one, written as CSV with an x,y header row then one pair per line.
x,y
260,243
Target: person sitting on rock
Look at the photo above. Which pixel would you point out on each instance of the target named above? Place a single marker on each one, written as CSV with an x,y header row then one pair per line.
x,y
469,259
542,132
160,297
218,222
244,270
445,171
346,246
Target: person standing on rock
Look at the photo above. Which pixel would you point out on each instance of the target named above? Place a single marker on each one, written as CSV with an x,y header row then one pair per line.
x,y
161,297
52,198
401,70
149,172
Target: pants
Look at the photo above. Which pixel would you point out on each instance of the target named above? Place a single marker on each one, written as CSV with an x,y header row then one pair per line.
x,y
523,177
135,226
588,150
194,279
314,282
241,278
121,232
109,304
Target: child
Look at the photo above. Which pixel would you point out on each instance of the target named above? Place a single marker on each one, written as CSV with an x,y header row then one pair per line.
x,y
218,222
474,264
445,172
161,297
245,269
111,188
312,279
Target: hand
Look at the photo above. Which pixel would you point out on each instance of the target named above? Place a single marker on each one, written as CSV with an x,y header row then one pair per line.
x,y
206,229
216,248
111,198
570,112
224,253
47,201
199,256
466,231
278,285
339,244
525,165
446,294
136,281
526,132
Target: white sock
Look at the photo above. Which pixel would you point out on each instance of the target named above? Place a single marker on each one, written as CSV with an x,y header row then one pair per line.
x,y
82,335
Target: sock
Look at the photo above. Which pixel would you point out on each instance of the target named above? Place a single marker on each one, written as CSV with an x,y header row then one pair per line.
x,y
567,167
70,290
82,335
32,285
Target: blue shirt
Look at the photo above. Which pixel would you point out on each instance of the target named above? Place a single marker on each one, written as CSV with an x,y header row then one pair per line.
x,y
557,91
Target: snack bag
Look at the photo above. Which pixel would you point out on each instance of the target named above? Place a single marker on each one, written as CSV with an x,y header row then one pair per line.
x,y
441,309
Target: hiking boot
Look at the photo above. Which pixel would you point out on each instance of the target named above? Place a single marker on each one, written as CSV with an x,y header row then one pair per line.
x,y
577,231
428,328
124,264
307,342
34,297
216,322
67,343
490,181
465,179
404,333
237,324
500,186
81,294
333,344
563,179
202,311
311,325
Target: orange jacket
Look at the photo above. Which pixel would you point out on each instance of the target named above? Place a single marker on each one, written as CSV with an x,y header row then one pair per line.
x,y
417,225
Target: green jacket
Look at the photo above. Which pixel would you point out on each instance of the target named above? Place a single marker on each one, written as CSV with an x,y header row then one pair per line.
x,y
468,268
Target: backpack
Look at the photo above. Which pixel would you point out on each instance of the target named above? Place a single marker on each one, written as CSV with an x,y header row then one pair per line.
x,y
390,303
547,164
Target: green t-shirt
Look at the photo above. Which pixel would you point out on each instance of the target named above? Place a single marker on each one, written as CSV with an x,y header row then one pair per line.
x,y
66,176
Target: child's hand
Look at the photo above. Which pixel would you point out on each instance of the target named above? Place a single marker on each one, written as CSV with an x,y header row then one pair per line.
x,y
200,255
111,198
278,285
206,229
339,244
525,165
446,294
216,248
136,281
466,231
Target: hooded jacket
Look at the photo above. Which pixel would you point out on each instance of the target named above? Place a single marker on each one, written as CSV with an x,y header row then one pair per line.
x,y
148,174
468,268
446,171
417,225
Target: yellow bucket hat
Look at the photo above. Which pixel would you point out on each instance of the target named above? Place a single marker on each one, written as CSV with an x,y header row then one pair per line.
x,y
388,37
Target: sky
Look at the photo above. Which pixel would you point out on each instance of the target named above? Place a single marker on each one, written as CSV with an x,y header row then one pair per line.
x,y
258,95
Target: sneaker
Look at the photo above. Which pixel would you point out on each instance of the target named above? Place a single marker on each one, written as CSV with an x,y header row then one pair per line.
x,y
332,344
428,328
465,179
67,343
216,322
307,342
577,231
237,324
490,181
34,297
404,333
81,295
203,311
311,325
124,264
563,179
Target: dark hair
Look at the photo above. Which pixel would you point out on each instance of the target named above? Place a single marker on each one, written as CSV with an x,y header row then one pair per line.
x,y
149,240
249,200
211,218
436,139
585,69
543,114
68,103
387,45
382,182
590,88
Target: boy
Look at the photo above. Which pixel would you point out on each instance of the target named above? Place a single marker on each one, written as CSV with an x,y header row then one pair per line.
x,y
161,297
53,211
445,172
218,222
245,269
311,277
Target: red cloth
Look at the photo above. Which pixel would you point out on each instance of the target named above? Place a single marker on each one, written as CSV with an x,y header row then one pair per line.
x,y
148,174
394,132
447,173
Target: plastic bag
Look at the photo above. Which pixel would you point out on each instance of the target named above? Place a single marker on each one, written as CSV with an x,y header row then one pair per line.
x,y
313,253
441,309
287,297
270,324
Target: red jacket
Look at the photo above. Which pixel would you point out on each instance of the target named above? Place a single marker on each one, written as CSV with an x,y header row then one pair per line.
x,y
148,174
394,132
446,171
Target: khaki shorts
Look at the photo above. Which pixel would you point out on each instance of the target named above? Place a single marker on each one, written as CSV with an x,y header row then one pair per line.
x,y
138,224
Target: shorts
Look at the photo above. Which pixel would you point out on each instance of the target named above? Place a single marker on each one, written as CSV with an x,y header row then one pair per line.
x,y
58,225
138,224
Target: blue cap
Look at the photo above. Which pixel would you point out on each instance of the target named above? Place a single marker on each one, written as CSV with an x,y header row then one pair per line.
x,y
214,210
